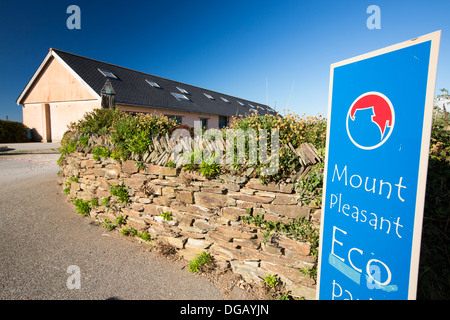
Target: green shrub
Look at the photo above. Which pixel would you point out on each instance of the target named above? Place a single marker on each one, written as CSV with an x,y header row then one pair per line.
x,y
209,169
73,179
100,152
300,229
105,202
98,121
120,220
144,236
167,216
82,207
12,131
170,164
68,145
120,191
83,140
128,231
310,187
434,269
133,133
200,260
271,281
292,129
94,202
108,224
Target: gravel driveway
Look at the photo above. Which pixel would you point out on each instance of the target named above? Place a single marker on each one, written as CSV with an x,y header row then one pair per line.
x,y
41,236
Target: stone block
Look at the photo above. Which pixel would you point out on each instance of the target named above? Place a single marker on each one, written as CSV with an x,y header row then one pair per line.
x,y
202,224
232,186
85,195
256,184
185,229
271,248
248,272
89,164
145,200
247,205
185,197
265,194
131,213
219,237
233,178
316,216
300,248
197,245
100,193
291,211
251,243
255,198
236,232
233,213
75,186
287,275
152,209
187,255
99,172
103,183
286,188
164,182
129,167
299,291
286,199
159,170
177,242
213,200
137,207
162,201
168,192
213,190
187,220
192,208
247,191
106,215
226,251
137,223
136,181
160,230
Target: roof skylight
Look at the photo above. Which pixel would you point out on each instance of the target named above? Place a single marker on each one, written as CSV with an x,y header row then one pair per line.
x,y
153,84
241,103
107,73
209,96
226,100
180,97
182,90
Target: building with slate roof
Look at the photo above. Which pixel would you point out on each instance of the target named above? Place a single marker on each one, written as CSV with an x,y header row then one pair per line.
x,y
66,86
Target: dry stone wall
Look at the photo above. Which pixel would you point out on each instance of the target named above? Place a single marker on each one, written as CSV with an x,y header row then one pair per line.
x,y
207,214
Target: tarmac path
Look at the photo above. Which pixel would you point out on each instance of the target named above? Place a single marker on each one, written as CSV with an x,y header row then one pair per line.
x,y
41,237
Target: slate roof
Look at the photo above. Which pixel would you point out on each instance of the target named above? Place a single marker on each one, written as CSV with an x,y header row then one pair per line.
x,y
132,89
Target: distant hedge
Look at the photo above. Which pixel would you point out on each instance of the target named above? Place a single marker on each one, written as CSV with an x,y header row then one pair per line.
x,y
12,131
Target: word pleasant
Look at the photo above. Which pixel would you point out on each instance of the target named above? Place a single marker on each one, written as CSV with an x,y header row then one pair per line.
x,y
356,213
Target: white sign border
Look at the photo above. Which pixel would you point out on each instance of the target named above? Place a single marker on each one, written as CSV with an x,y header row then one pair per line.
x,y
435,38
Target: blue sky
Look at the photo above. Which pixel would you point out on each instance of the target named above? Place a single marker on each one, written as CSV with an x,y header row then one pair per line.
x,y
241,48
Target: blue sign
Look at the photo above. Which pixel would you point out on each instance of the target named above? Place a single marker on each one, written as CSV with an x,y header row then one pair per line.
x,y
379,124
